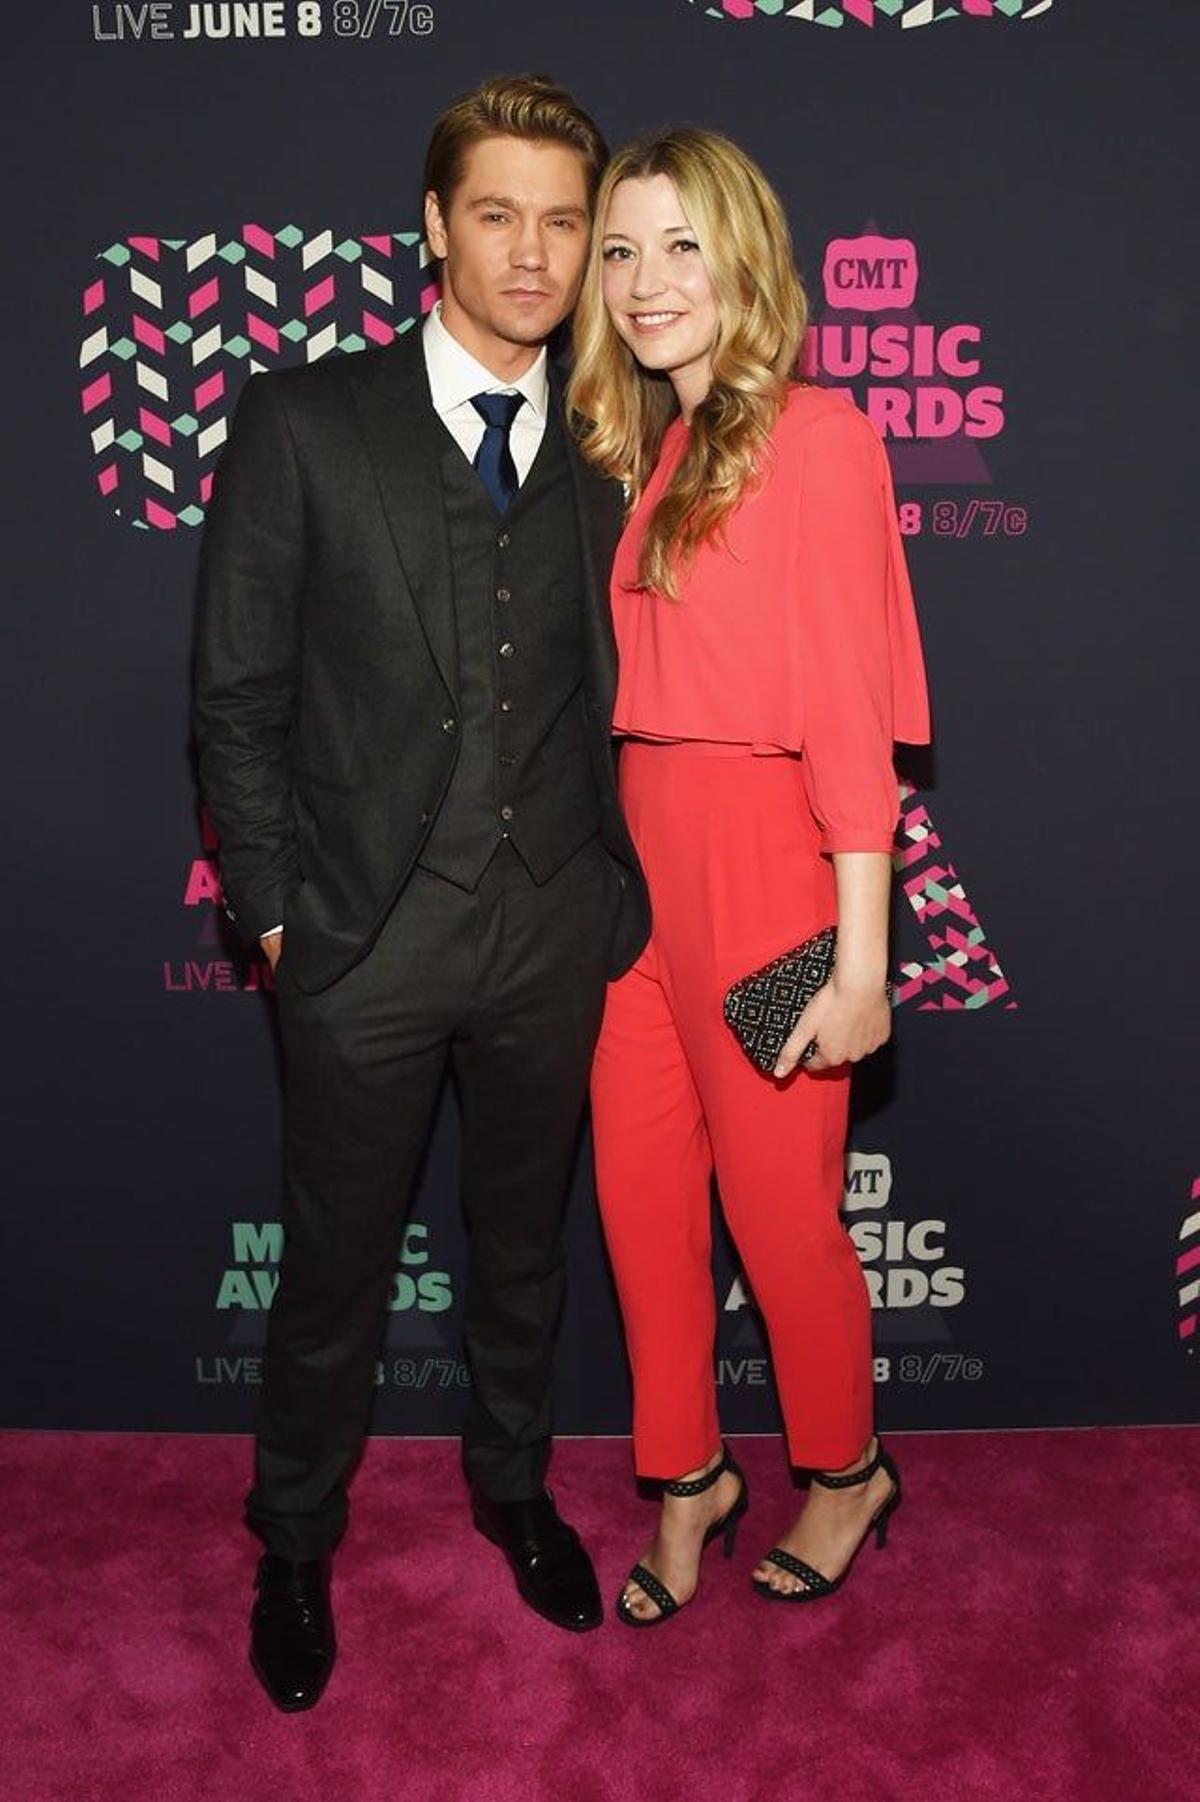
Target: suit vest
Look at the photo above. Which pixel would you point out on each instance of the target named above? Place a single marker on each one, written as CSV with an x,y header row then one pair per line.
x,y
524,771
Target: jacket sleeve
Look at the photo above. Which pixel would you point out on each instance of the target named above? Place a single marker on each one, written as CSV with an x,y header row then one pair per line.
x,y
864,678
247,657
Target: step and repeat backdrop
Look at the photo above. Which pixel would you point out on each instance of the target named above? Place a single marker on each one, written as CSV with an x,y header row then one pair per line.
x,y
989,211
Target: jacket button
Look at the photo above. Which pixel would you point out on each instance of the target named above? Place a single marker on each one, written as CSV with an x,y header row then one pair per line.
x,y
503,541
449,723
507,649
506,706
504,594
506,813
506,760
424,819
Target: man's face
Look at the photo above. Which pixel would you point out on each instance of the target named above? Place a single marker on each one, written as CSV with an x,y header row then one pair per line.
x,y
512,242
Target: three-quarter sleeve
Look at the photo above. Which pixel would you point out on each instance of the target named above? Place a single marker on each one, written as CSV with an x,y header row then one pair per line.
x,y
863,679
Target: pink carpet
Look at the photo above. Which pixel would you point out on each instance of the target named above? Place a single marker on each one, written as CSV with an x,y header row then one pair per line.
x,y
1030,1632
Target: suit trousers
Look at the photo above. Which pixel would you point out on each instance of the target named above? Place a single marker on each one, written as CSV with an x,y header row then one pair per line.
x,y
731,855
503,985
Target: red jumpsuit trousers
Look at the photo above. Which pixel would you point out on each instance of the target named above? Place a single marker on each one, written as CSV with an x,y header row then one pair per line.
x,y
730,851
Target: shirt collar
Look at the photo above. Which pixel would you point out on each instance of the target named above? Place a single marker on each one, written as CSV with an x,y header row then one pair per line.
x,y
455,375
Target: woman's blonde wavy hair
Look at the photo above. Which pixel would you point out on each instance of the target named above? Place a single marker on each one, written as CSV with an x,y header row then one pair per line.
x,y
620,411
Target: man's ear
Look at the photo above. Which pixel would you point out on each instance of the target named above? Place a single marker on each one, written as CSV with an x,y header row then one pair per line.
x,y
435,226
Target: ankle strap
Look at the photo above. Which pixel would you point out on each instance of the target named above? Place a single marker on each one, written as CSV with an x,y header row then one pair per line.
x,y
698,1485
856,1477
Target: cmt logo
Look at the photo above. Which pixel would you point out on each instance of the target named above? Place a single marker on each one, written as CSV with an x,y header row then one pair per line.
x,y
920,384
870,274
907,15
868,1181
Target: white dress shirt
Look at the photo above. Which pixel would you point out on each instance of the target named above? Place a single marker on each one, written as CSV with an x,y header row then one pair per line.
x,y
454,376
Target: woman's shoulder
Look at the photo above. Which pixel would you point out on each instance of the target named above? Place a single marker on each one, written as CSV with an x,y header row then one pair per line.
x,y
810,408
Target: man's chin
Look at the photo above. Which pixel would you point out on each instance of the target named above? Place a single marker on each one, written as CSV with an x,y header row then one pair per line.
x,y
529,325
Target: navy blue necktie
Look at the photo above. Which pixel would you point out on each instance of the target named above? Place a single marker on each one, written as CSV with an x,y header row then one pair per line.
x,y
493,459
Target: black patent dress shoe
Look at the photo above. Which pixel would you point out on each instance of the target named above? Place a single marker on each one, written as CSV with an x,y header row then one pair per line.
x,y
554,1574
291,1630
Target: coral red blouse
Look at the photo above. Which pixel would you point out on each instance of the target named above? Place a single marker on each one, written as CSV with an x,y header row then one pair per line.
x,y
798,634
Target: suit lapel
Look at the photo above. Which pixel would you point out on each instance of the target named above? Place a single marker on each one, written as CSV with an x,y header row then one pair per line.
x,y
405,441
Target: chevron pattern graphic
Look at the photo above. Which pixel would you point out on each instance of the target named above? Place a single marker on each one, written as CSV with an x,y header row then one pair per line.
x,y
1187,1270
172,329
908,14
962,973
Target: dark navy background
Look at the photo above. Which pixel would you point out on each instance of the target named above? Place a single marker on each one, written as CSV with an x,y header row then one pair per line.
x,y
1039,166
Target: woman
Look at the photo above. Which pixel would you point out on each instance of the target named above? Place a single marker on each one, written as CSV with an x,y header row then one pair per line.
x,y
769,655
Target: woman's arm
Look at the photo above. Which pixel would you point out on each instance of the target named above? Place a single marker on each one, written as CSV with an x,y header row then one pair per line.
x,y
858,620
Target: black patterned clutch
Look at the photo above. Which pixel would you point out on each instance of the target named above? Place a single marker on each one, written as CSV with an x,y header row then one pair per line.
x,y
762,1009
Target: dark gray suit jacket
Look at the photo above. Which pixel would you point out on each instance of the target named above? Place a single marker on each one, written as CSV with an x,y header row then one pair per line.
x,y
326,661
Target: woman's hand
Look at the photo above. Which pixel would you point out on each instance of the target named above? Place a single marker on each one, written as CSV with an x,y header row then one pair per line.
x,y
851,1016
848,1019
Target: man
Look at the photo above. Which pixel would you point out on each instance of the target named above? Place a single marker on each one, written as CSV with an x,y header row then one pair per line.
x,y
405,674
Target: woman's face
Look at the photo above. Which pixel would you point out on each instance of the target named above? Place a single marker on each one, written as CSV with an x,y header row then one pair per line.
x,y
657,289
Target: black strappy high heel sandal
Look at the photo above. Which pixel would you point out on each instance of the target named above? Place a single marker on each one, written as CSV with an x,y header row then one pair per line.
x,y
818,1587
726,1527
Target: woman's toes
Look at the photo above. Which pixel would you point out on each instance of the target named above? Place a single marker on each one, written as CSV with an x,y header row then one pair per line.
x,y
639,1603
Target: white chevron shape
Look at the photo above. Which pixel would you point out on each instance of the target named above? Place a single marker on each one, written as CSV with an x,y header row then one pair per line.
x,y
315,249
204,346
144,288
212,436
152,382
378,285
93,347
200,251
260,285
157,472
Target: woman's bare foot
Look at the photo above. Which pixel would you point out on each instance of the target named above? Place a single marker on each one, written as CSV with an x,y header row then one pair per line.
x,y
830,1527
674,1553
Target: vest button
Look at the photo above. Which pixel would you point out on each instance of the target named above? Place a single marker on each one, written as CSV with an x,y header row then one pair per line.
x,y
507,649
503,541
449,724
506,706
503,594
506,813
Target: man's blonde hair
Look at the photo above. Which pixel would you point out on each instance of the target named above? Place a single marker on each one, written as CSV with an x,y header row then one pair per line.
x,y
510,106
